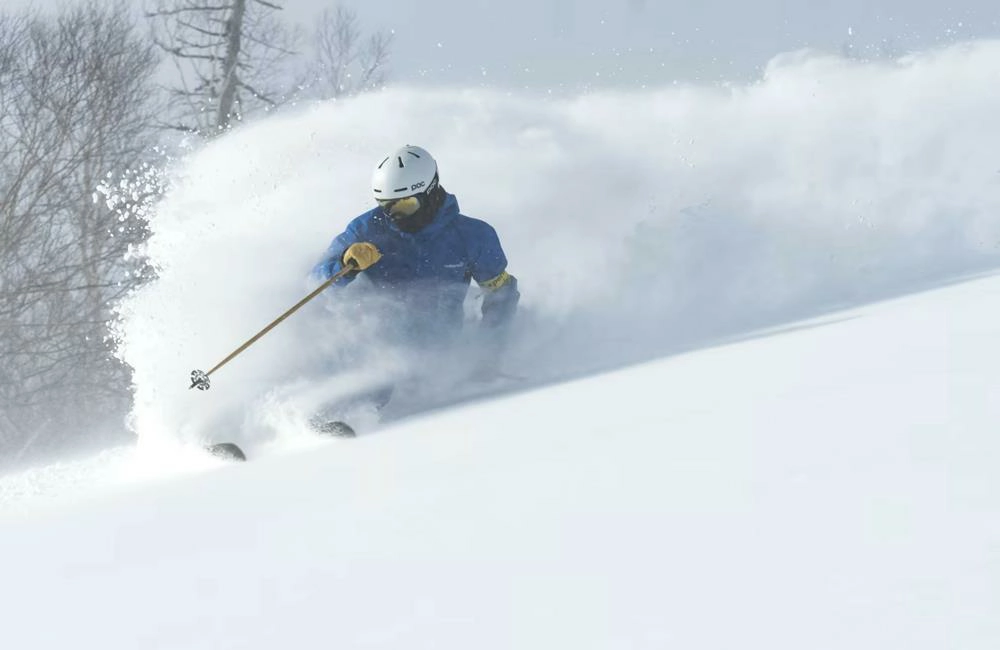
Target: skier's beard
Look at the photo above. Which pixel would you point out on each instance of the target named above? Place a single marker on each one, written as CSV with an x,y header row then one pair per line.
x,y
416,221
424,215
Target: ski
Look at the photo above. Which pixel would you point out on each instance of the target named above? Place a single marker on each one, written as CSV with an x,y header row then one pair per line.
x,y
335,428
232,451
226,451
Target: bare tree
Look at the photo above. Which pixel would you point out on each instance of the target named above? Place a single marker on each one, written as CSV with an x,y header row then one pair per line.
x,y
345,64
227,56
74,106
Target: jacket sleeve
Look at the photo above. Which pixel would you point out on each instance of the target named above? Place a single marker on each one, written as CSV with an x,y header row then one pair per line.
x,y
489,270
331,262
500,300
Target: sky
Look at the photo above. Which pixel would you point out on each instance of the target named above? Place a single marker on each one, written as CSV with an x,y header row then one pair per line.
x,y
568,43
571,45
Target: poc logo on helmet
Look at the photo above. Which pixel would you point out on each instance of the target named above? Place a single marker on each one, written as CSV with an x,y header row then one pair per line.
x,y
416,186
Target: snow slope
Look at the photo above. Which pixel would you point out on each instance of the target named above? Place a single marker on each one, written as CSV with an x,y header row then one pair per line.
x,y
831,484
720,447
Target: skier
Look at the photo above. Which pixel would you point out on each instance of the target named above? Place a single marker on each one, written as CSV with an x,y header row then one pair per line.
x,y
420,254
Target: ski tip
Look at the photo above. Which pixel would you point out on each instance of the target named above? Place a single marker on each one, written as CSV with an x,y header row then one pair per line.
x,y
335,428
227,451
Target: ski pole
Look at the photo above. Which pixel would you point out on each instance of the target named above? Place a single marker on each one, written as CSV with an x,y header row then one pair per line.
x,y
199,379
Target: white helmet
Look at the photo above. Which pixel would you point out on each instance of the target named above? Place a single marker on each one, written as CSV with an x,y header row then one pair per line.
x,y
406,171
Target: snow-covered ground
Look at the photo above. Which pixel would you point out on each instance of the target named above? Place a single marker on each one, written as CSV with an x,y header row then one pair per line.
x,y
722,442
832,484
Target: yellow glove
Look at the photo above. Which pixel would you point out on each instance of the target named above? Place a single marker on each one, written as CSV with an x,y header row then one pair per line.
x,y
361,255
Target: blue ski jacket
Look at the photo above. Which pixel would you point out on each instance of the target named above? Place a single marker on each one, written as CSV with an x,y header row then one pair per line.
x,y
427,274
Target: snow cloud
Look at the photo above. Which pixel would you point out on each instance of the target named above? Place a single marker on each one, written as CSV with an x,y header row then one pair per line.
x,y
638,222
